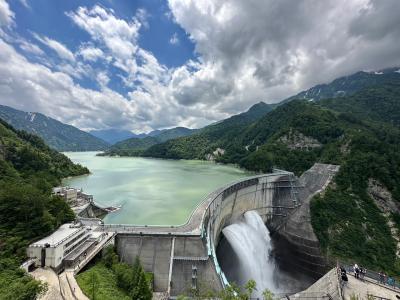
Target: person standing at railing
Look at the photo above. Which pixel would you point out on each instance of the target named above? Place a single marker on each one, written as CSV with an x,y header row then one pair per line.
x,y
356,271
390,281
380,277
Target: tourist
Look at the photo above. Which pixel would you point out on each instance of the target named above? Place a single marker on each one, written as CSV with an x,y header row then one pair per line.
x,y
343,275
356,271
390,281
363,271
380,274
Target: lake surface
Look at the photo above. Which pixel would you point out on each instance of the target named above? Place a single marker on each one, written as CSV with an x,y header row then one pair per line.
x,y
150,191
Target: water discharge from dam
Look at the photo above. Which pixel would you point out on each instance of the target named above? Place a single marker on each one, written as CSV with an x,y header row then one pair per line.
x,y
251,243
246,252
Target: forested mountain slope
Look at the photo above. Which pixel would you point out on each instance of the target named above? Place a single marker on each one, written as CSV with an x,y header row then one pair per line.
x,y
57,135
137,145
113,136
380,103
28,170
295,135
208,139
349,85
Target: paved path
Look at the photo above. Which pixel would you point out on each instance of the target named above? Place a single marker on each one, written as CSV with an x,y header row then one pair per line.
x,y
364,288
50,277
79,295
65,287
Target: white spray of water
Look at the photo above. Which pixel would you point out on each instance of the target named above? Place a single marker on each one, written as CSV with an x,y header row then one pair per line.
x,y
250,241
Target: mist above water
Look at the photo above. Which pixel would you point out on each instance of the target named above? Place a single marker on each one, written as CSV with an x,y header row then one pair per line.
x,y
245,252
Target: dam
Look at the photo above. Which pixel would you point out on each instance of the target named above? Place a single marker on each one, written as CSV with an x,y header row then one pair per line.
x,y
183,258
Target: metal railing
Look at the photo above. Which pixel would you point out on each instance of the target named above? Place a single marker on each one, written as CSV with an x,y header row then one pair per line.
x,y
374,277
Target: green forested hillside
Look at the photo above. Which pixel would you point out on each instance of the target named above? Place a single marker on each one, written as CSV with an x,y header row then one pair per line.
x,y
130,147
360,137
380,103
137,145
209,138
349,85
57,135
28,170
188,143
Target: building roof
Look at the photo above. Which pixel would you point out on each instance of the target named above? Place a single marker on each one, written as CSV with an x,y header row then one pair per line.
x,y
62,233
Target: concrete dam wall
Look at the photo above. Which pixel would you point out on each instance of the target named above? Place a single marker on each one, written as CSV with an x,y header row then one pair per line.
x,y
183,258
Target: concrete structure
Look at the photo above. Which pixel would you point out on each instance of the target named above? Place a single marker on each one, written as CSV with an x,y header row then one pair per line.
x,y
183,258
64,247
50,251
82,203
69,194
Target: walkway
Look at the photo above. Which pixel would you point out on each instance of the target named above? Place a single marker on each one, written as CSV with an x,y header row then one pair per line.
x,y
362,289
83,260
78,294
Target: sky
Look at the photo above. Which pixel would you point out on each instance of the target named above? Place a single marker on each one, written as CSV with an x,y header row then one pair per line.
x,y
151,64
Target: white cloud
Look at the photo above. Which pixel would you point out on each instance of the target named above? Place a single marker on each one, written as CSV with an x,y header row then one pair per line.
x,y
25,3
174,40
6,15
248,51
30,47
90,53
117,35
102,79
62,51
142,16
34,87
268,50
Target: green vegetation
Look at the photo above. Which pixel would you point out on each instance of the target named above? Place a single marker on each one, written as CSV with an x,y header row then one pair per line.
x,y
187,143
208,139
100,282
28,211
110,279
355,132
137,145
348,85
57,135
232,292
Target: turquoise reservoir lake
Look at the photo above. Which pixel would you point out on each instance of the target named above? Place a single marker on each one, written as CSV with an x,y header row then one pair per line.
x,y
150,191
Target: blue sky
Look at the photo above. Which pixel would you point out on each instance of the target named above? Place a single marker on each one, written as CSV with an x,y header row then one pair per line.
x,y
152,64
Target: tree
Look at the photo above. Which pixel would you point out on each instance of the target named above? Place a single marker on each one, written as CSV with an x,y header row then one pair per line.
x,y
109,256
93,283
141,288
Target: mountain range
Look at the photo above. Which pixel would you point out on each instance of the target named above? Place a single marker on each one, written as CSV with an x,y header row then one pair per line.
x,y
137,145
57,135
359,130
353,122
63,137
114,135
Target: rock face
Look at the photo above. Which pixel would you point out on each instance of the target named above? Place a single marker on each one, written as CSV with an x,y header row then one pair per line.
x,y
215,154
384,200
382,197
295,140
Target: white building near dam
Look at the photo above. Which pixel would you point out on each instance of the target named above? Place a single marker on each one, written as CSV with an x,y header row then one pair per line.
x,y
63,246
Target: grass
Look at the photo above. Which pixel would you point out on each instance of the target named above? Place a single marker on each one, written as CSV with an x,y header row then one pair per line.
x,y
104,281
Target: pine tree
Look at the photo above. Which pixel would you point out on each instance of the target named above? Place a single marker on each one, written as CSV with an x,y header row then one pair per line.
x,y
141,288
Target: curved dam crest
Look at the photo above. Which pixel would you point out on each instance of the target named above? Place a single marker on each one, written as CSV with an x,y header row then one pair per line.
x,y
183,258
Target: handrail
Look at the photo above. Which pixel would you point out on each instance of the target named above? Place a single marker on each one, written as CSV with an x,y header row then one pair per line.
x,y
373,277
